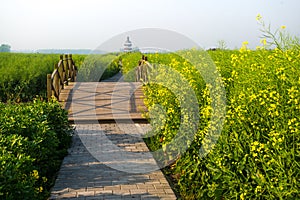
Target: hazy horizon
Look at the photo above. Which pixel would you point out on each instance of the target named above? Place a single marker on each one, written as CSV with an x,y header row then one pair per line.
x,y
33,24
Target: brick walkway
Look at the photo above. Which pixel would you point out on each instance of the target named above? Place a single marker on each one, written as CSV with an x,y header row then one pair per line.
x,y
82,176
108,160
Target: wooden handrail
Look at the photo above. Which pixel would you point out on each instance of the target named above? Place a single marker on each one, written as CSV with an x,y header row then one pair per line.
x,y
64,72
142,71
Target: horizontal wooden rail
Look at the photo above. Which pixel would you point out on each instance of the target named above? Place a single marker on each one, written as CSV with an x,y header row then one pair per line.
x,y
64,72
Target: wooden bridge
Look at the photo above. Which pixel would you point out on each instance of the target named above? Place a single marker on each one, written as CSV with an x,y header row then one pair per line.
x,y
102,101
107,160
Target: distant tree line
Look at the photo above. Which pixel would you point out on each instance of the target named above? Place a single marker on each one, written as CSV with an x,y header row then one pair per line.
x,y
64,51
4,48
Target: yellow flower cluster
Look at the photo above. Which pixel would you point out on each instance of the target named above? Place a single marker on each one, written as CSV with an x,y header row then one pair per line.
x,y
35,174
244,47
259,151
261,134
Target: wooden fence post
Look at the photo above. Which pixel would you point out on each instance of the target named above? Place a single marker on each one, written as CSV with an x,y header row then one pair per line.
x,y
60,72
56,81
64,72
66,67
74,69
71,68
49,87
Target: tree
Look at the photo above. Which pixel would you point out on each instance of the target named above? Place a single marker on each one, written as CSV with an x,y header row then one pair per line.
x,y
4,48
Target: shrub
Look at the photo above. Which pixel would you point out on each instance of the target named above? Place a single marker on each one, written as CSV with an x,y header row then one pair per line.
x,y
34,138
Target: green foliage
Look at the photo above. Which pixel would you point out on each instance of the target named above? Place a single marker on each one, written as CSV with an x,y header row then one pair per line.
x,y
260,137
34,138
99,67
257,155
129,62
23,76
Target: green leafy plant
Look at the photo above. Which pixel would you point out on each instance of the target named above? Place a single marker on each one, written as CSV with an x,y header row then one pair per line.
x,y
23,76
34,137
96,67
257,154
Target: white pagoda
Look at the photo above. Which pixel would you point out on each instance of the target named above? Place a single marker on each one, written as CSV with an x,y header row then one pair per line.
x,y
127,47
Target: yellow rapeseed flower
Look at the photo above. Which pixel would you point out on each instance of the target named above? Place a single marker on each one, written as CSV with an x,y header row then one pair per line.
x,y
283,27
245,43
35,174
258,17
244,46
263,41
258,189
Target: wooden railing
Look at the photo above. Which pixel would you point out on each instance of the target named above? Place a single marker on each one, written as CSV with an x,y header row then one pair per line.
x,y
65,71
142,70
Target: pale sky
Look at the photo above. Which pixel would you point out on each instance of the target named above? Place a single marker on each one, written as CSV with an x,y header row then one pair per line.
x,y
77,24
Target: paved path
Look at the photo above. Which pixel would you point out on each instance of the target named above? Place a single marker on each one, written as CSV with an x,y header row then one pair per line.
x,y
84,177
108,160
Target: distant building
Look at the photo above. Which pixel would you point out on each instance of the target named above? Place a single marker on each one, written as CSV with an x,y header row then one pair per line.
x,y
128,47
